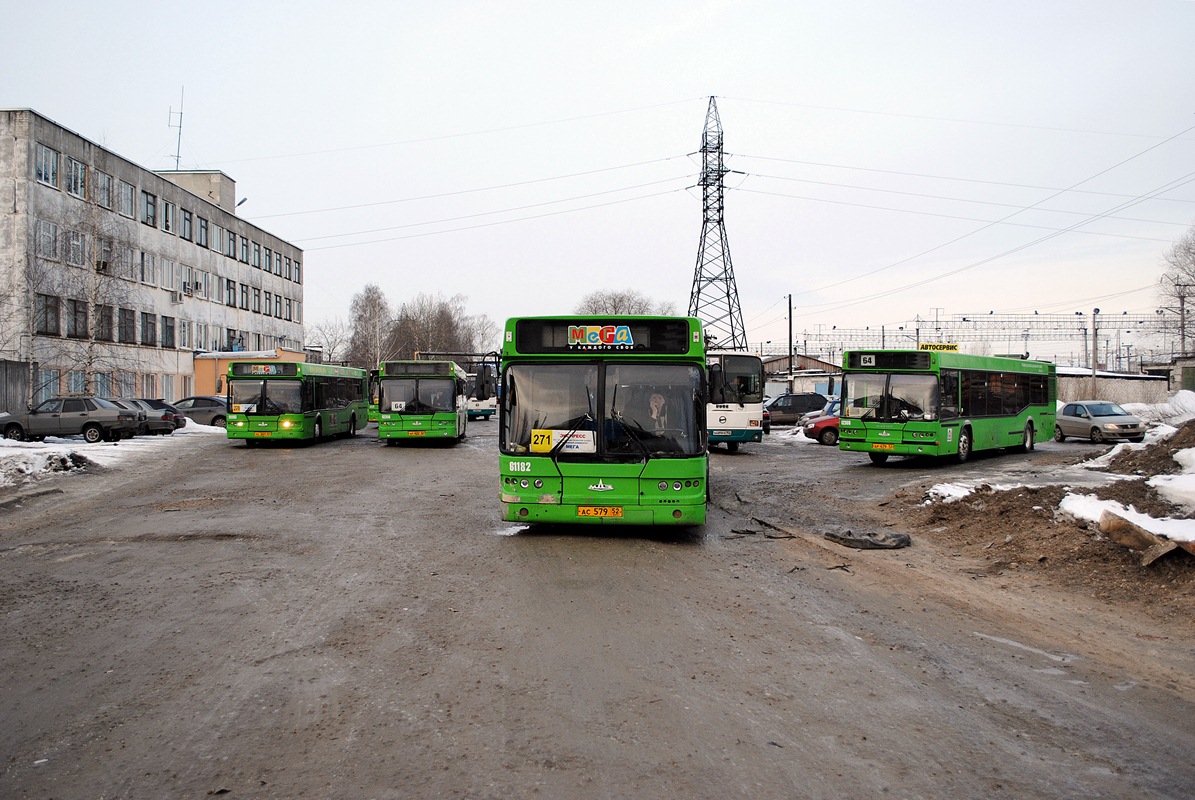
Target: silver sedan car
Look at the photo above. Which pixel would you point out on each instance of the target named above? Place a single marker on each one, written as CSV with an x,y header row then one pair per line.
x,y
1099,421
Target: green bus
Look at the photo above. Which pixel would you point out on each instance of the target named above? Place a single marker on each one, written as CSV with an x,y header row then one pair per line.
x,y
601,419
421,400
289,401
926,402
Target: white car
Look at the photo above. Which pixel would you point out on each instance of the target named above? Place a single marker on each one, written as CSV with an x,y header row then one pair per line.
x,y
1098,421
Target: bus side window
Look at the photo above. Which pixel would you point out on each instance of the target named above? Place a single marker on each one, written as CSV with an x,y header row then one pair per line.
x,y
949,408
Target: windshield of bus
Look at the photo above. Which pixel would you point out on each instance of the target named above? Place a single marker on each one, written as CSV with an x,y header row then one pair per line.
x,y
890,397
636,410
418,395
741,381
265,397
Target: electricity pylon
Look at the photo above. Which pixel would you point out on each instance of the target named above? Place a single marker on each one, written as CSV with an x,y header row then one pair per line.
x,y
715,299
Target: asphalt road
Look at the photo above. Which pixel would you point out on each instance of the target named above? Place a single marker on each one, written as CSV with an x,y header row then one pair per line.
x,y
351,620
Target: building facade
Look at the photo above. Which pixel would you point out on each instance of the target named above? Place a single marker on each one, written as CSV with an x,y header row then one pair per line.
x,y
112,276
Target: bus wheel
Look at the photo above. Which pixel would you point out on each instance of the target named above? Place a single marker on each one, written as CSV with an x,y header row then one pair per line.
x,y
319,429
878,458
964,446
732,447
1059,436
1027,441
352,426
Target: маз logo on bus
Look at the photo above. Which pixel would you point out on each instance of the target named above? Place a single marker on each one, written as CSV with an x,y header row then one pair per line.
x,y
594,335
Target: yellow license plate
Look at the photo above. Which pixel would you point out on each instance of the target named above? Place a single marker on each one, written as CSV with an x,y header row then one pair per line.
x,y
883,447
416,433
261,433
599,511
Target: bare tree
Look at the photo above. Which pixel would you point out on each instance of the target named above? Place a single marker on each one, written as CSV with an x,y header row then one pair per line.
x,y
433,324
1177,284
627,301
333,337
371,321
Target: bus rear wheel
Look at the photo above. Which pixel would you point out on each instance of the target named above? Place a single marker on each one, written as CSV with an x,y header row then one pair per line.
x,y
352,426
964,446
878,458
319,429
1027,440
732,447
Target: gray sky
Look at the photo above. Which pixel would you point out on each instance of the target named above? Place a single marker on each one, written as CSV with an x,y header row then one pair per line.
x,y
898,158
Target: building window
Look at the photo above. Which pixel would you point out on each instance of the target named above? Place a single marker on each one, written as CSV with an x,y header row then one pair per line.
x,y
256,255
184,334
230,248
124,197
269,260
167,331
185,227
46,167
103,384
103,252
76,319
288,308
230,293
298,312
297,272
268,309
103,189
149,209
278,306
76,178
149,328
149,383
76,249
103,323
278,266
289,273
127,326
45,314
149,270
76,382
256,300
168,275
47,240
245,296
244,250
201,232
217,237
47,385
167,216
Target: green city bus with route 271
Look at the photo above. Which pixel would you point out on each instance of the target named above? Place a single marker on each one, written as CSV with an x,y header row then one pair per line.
x,y
735,409
602,419
421,400
294,401
923,402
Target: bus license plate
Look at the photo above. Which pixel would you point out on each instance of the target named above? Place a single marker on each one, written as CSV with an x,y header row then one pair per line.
x,y
721,433
883,447
261,433
599,511
416,433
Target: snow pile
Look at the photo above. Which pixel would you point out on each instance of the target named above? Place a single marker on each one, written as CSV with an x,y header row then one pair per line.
x,y
1179,409
1087,507
1178,489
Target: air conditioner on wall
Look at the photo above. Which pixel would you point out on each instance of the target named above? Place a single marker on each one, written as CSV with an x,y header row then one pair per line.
x,y
176,297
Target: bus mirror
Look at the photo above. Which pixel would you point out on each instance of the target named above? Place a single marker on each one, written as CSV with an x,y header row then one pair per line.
x,y
715,387
485,383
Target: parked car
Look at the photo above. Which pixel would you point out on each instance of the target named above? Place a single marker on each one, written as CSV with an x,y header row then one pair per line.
x,y
786,409
1099,421
158,422
162,407
829,409
823,429
94,418
207,409
142,418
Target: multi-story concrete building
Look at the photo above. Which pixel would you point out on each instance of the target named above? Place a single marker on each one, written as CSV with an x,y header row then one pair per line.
x,y
113,276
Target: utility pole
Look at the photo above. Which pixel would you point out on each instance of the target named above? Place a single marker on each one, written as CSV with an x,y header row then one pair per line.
x,y
715,298
790,333
1095,350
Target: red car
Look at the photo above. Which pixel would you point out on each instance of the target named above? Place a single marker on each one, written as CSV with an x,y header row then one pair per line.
x,y
823,429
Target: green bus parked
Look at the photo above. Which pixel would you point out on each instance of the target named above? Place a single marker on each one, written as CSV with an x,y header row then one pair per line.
x,y
290,401
421,400
602,419
923,402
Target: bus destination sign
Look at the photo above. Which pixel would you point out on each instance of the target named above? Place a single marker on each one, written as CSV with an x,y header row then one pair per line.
x,y
641,336
254,369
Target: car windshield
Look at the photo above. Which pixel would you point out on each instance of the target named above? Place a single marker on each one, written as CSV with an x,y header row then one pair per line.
x,y
1106,410
102,403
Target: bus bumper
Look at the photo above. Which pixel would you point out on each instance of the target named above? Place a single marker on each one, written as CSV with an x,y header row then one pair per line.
x,y
630,515
719,435
899,449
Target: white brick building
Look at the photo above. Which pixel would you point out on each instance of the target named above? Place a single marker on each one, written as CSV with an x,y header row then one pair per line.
x,y
112,276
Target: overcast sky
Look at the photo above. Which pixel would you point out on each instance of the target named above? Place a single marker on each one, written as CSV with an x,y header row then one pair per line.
x,y
892,159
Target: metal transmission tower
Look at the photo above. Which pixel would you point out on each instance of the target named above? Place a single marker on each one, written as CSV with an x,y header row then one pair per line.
x,y
715,299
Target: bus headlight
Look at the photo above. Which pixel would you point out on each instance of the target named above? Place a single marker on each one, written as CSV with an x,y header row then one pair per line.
x,y
539,484
523,483
662,486
286,423
676,486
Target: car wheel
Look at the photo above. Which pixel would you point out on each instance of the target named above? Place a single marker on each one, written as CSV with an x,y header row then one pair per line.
x,y
1059,436
964,446
219,422
1097,436
828,437
93,433
1137,439
878,458
15,433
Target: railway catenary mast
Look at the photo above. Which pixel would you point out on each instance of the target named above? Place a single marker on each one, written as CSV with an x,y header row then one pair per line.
x,y
715,298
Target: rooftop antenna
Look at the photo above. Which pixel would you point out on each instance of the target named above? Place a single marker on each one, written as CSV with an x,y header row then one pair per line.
x,y
170,124
715,298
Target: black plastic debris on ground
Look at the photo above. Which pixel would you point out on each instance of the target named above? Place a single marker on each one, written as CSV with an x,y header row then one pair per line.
x,y
870,541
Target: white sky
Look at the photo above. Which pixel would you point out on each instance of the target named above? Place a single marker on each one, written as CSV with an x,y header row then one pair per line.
x,y
880,141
